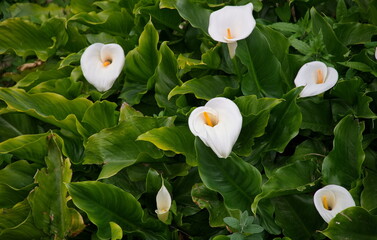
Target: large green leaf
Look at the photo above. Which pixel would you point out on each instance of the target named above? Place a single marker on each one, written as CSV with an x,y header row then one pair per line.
x,y
26,38
104,203
369,193
140,66
264,75
297,216
296,177
100,115
197,15
18,174
109,21
117,147
352,99
48,201
28,147
48,107
352,223
236,180
316,115
205,87
17,223
177,139
255,114
284,123
355,33
205,198
35,12
343,164
16,124
331,41
166,79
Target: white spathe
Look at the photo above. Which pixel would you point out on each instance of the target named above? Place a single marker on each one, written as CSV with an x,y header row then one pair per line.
x,y
375,53
230,24
316,77
218,124
163,201
332,199
101,64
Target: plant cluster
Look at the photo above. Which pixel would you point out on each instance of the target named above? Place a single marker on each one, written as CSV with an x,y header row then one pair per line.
x,y
188,119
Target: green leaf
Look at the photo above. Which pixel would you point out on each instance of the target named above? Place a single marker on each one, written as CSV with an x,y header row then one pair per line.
x,y
35,12
140,66
206,87
297,216
116,147
343,164
48,201
166,79
316,115
284,123
104,203
355,33
100,115
352,223
233,223
292,178
26,38
177,139
16,124
17,223
48,107
205,198
28,147
108,21
191,11
369,193
18,174
330,39
255,114
34,78
236,180
264,76
116,231
352,99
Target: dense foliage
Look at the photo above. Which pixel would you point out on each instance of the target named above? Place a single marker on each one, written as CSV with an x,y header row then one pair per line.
x,y
76,163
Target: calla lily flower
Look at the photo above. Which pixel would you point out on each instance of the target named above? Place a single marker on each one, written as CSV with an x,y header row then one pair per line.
x,y
316,77
218,124
163,201
332,199
230,24
101,64
375,53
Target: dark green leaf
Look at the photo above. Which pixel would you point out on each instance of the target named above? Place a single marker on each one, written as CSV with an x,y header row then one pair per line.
x,y
140,66
205,198
177,139
352,223
297,216
284,123
236,180
369,193
343,164
293,178
116,147
264,76
206,87
104,203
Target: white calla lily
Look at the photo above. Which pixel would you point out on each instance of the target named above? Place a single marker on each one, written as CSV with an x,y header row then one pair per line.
x,y
101,64
375,53
230,24
218,124
332,199
316,77
163,201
